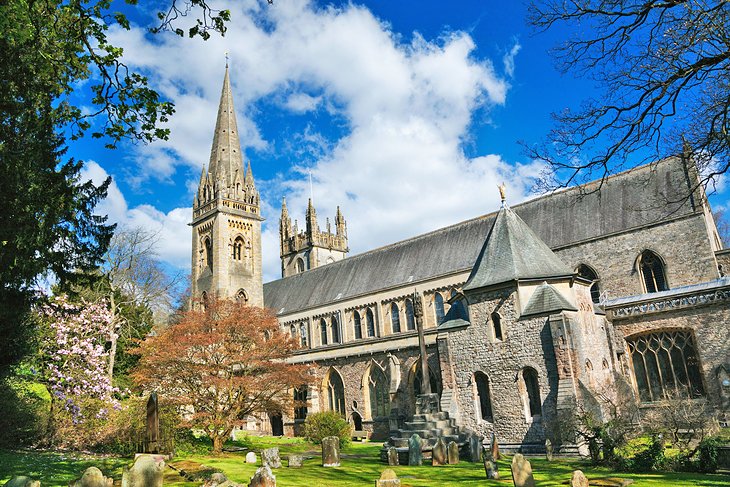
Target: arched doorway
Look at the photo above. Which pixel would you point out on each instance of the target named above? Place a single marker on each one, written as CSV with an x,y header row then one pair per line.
x,y
277,424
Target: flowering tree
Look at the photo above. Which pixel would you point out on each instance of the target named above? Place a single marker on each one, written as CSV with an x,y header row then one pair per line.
x,y
75,356
221,364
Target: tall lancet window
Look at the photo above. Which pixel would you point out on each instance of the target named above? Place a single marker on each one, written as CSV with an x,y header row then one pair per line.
x,y
238,248
651,268
208,246
410,317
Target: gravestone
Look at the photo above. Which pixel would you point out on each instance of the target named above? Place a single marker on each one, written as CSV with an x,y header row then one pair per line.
x,y
578,479
452,453
270,457
331,451
475,448
152,445
295,461
250,457
490,469
388,479
22,481
549,450
263,477
438,454
92,477
415,453
494,450
393,459
147,471
522,471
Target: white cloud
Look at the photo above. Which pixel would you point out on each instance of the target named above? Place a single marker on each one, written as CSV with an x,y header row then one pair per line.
x,y
509,59
399,169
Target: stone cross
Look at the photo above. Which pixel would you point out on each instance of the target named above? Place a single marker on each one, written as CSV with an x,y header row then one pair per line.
x,y
418,312
438,454
153,425
415,455
522,471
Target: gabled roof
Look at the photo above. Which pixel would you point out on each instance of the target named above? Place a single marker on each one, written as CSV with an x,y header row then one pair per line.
x,y
546,299
513,251
641,196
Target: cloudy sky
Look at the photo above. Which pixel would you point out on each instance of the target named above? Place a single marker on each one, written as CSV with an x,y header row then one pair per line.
x,y
406,114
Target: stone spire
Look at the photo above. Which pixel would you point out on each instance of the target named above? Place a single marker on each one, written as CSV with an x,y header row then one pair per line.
x,y
340,224
225,154
285,228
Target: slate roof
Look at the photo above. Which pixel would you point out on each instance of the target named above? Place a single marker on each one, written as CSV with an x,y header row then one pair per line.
x,y
512,251
627,200
546,299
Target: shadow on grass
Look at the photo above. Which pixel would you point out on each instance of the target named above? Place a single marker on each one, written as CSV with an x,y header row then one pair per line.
x,y
55,469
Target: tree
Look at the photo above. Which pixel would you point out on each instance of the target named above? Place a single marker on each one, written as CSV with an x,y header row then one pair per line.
x,y
663,67
221,364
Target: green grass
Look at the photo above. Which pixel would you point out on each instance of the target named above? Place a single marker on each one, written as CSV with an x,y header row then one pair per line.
x,y
360,467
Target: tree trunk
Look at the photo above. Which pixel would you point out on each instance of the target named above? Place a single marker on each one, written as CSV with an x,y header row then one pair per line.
x,y
113,348
218,443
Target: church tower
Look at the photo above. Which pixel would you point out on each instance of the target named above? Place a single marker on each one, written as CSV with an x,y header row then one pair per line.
x,y
226,257
301,251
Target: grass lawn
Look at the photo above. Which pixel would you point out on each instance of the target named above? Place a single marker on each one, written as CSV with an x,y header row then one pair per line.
x,y
360,467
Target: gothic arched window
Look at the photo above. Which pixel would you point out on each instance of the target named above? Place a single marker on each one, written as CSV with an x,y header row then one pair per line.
x,y
497,325
370,322
335,392
303,335
484,398
395,317
378,389
532,392
323,331
293,331
335,330
410,318
241,296
208,253
438,307
652,273
457,311
666,364
357,325
238,248
300,403
587,273
300,265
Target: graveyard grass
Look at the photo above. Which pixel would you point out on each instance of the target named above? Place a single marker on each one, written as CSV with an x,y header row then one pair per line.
x,y
360,467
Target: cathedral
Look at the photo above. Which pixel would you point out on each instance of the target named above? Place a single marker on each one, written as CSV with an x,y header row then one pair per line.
x,y
502,322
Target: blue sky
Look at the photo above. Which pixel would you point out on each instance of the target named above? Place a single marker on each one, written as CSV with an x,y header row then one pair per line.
x,y
407,114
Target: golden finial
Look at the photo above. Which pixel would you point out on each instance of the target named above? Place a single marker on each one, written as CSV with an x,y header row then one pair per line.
x,y
502,192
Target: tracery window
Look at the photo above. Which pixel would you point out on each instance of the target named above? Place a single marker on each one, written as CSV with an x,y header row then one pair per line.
x,y
335,330
395,317
666,364
652,273
410,317
438,307
335,392
497,325
357,324
323,331
300,403
378,388
532,392
483,396
370,323
587,273
237,248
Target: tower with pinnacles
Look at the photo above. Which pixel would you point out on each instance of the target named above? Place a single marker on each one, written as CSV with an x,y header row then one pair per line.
x,y
226,250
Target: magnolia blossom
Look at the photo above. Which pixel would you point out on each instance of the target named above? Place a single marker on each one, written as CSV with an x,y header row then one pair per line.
x,y
77,357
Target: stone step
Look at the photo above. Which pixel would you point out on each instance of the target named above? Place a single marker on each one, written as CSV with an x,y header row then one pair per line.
x,y
417,425
399,442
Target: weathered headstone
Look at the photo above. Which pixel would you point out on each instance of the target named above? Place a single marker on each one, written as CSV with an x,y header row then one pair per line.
x,y
250,457
388,479
22,481
218,479
263,477
92,477
393,459
490,468
415,453
578,479
152,444
452,453
549,450
331,451
438,454
494,449
147,471
270,457
295,461
522,471
475,448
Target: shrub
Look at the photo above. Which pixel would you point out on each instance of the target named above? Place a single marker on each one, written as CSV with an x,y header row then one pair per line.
x,y
707,454
24,405
643,454
328,423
